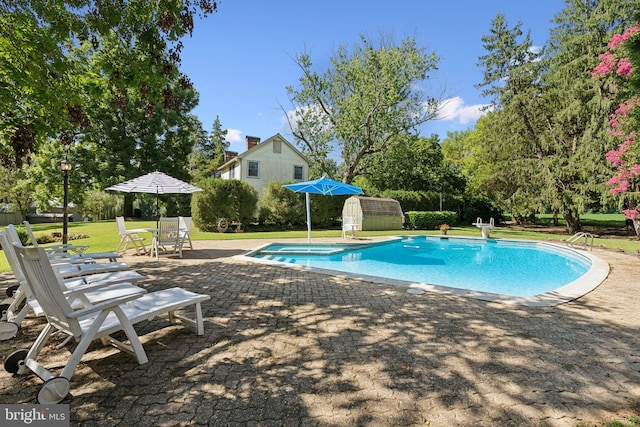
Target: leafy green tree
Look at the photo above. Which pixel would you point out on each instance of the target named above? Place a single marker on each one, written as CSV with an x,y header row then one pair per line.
x,y
366,98
208,153
43,85
497,174
17,189
414,164
136,135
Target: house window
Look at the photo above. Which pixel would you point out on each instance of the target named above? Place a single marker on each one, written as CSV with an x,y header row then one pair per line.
x,y
232,171
277,146
253,169
297,173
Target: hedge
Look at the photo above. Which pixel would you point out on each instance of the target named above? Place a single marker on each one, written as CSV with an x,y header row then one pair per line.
x,y
429,220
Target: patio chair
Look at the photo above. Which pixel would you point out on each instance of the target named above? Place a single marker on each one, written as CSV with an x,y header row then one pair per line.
x,y
129,236
69,266
185,230
94,321
96,287
69,250
167,241
349,225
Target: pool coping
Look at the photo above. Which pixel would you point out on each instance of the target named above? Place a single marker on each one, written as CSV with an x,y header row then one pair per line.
x,y
598,272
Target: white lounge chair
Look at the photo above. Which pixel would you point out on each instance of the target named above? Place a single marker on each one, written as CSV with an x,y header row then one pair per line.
x,y
167,241
129,236
95,321
185,230
73,266
68,250
96,287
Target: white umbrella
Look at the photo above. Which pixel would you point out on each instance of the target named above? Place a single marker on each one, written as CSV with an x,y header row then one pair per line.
x,y
155,183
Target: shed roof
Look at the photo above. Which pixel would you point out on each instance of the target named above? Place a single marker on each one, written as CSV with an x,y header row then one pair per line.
x,y
379,206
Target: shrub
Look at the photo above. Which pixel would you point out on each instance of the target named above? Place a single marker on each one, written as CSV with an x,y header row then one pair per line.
x,y
409,200
288,208
23,235
281,205
326,210
43,239
223,198
476,206
430,220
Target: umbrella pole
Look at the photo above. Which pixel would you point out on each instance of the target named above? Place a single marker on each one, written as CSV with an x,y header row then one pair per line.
x,y
308,218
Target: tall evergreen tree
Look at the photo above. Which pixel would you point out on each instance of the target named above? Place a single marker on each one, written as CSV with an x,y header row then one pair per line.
x,y
576,131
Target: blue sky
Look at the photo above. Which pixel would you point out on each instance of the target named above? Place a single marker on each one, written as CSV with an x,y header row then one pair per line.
x,y
240,58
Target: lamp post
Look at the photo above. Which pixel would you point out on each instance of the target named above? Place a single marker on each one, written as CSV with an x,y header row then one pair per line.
x,y
65,167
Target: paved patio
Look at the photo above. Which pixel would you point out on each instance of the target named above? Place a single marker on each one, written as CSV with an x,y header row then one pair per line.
x,y
292,348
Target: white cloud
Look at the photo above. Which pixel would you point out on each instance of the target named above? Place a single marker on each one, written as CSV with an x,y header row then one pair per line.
x,y
233,135
453,109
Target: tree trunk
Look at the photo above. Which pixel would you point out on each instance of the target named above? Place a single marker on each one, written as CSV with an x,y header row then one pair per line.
x,y
128,205
573,222
636,227
555,218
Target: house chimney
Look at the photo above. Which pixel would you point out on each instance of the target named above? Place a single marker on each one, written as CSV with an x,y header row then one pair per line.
x,y
252,141
228,155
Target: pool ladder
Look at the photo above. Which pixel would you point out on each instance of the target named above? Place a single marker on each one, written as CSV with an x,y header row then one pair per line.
x,y
581,235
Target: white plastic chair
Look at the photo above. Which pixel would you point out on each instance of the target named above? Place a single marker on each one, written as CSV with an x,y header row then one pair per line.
x,y
68,250
96,287
167,241
94,321
72,266
185,230
349,225
129,236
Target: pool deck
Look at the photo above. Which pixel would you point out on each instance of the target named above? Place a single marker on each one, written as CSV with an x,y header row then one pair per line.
x,y
287,347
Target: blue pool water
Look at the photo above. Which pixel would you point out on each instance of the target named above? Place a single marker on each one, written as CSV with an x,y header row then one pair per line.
x,y
510,268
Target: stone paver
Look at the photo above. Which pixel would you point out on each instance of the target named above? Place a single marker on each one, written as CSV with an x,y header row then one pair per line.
x,y
293,348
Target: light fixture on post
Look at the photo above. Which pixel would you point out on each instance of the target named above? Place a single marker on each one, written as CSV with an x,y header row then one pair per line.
x,y
65,167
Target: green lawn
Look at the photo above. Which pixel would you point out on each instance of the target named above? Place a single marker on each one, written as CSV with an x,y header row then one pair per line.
x,y
103,235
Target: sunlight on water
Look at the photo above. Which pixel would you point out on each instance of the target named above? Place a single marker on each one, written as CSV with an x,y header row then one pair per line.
x,y
508,268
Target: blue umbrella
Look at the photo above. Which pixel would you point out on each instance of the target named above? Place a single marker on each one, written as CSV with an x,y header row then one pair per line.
x,y
324,186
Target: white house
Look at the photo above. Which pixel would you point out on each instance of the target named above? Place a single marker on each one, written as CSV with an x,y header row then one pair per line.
x,y
274,160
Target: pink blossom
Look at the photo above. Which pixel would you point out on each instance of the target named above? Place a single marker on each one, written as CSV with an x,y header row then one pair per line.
x,y
615,180
631,213
624,68
614,157
608,63
618,39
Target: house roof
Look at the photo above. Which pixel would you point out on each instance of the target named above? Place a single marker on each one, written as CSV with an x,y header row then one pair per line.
x,y
379,206
238,158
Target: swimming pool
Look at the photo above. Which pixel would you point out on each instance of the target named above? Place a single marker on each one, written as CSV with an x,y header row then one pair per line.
x,y
524,272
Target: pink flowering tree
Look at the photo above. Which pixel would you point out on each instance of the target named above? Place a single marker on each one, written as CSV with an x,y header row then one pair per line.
x,y
622,63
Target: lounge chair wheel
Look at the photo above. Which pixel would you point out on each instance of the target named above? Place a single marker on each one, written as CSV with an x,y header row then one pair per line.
x,y
3,310
13,361
11,290
8,330
53,391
